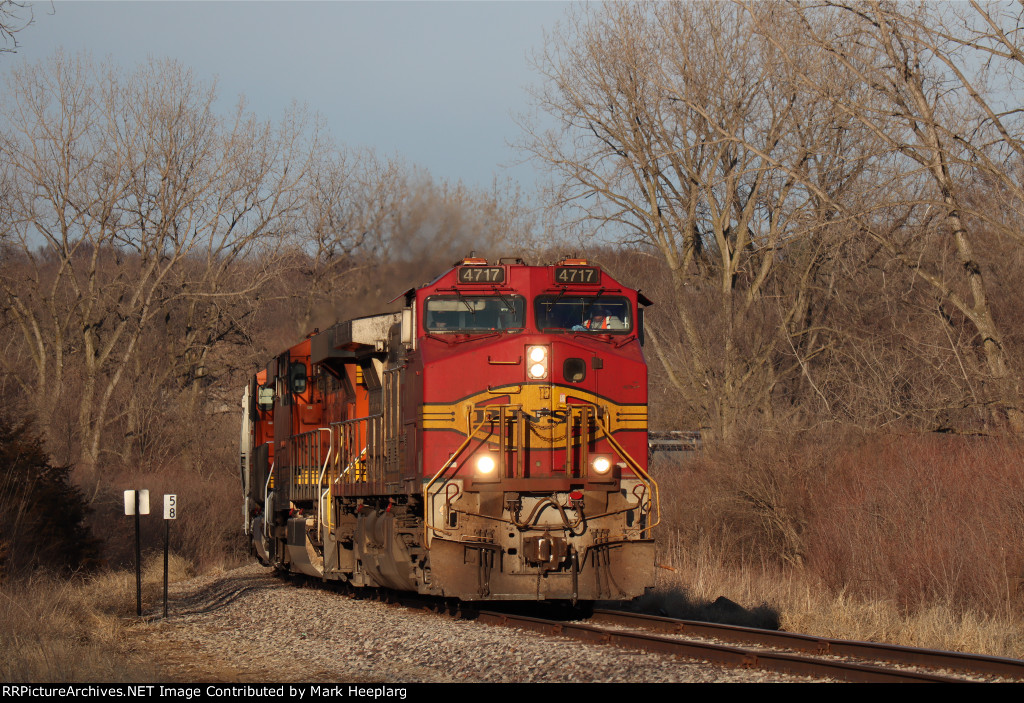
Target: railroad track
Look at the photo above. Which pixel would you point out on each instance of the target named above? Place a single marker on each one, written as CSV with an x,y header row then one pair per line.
x,y
753,648
770,650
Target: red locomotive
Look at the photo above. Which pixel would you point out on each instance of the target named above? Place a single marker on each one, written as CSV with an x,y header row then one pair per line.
x,y
489,441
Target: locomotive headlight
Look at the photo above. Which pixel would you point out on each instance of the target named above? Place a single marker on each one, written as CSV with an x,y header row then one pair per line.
x,y
537,357
485,465
602,465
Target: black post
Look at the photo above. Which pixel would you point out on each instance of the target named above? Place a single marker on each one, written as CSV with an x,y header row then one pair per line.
x,y
138,561
167,539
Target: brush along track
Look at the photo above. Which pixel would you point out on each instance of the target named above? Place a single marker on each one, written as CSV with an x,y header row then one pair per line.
x,y
773,651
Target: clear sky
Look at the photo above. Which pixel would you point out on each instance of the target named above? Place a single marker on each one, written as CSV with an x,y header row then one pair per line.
x,y
434,82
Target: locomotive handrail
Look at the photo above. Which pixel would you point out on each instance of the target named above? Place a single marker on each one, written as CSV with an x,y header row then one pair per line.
x,y
307,445
266,495
359,457
585,411
354,420
361,454
495,362
644,476
320,484
444,467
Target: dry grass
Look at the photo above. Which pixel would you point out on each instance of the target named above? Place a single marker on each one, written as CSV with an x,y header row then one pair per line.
x,y
57,631
911,541
689,586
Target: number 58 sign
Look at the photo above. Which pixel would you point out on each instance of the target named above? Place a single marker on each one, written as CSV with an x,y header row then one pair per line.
x,y
170,506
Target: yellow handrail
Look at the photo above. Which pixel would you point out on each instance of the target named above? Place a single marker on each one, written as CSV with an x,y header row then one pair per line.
x,y
266,494
644,476
426,489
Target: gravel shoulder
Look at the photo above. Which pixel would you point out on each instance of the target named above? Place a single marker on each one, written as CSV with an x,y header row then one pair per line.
x,y
248,626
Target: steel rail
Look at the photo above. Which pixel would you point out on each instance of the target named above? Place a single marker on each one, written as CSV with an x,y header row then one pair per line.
x,y
896,654
722,654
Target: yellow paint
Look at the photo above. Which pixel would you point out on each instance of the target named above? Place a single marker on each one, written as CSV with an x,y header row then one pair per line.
x,y
531,398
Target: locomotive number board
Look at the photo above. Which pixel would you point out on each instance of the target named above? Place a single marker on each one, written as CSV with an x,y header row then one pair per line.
x,y
577,274
481,274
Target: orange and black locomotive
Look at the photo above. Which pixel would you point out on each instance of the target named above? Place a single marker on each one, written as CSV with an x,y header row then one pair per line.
x,y
489,441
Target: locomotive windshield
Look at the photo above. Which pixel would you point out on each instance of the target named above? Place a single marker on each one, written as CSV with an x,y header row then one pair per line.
x,y
475,313
583,313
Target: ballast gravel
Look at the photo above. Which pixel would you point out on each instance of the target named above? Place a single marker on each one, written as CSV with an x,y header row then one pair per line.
x,y
249,626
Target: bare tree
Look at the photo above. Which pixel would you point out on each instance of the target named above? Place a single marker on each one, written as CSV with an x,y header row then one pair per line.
x,y
942,134
130,200
14,17
686,142
354,197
